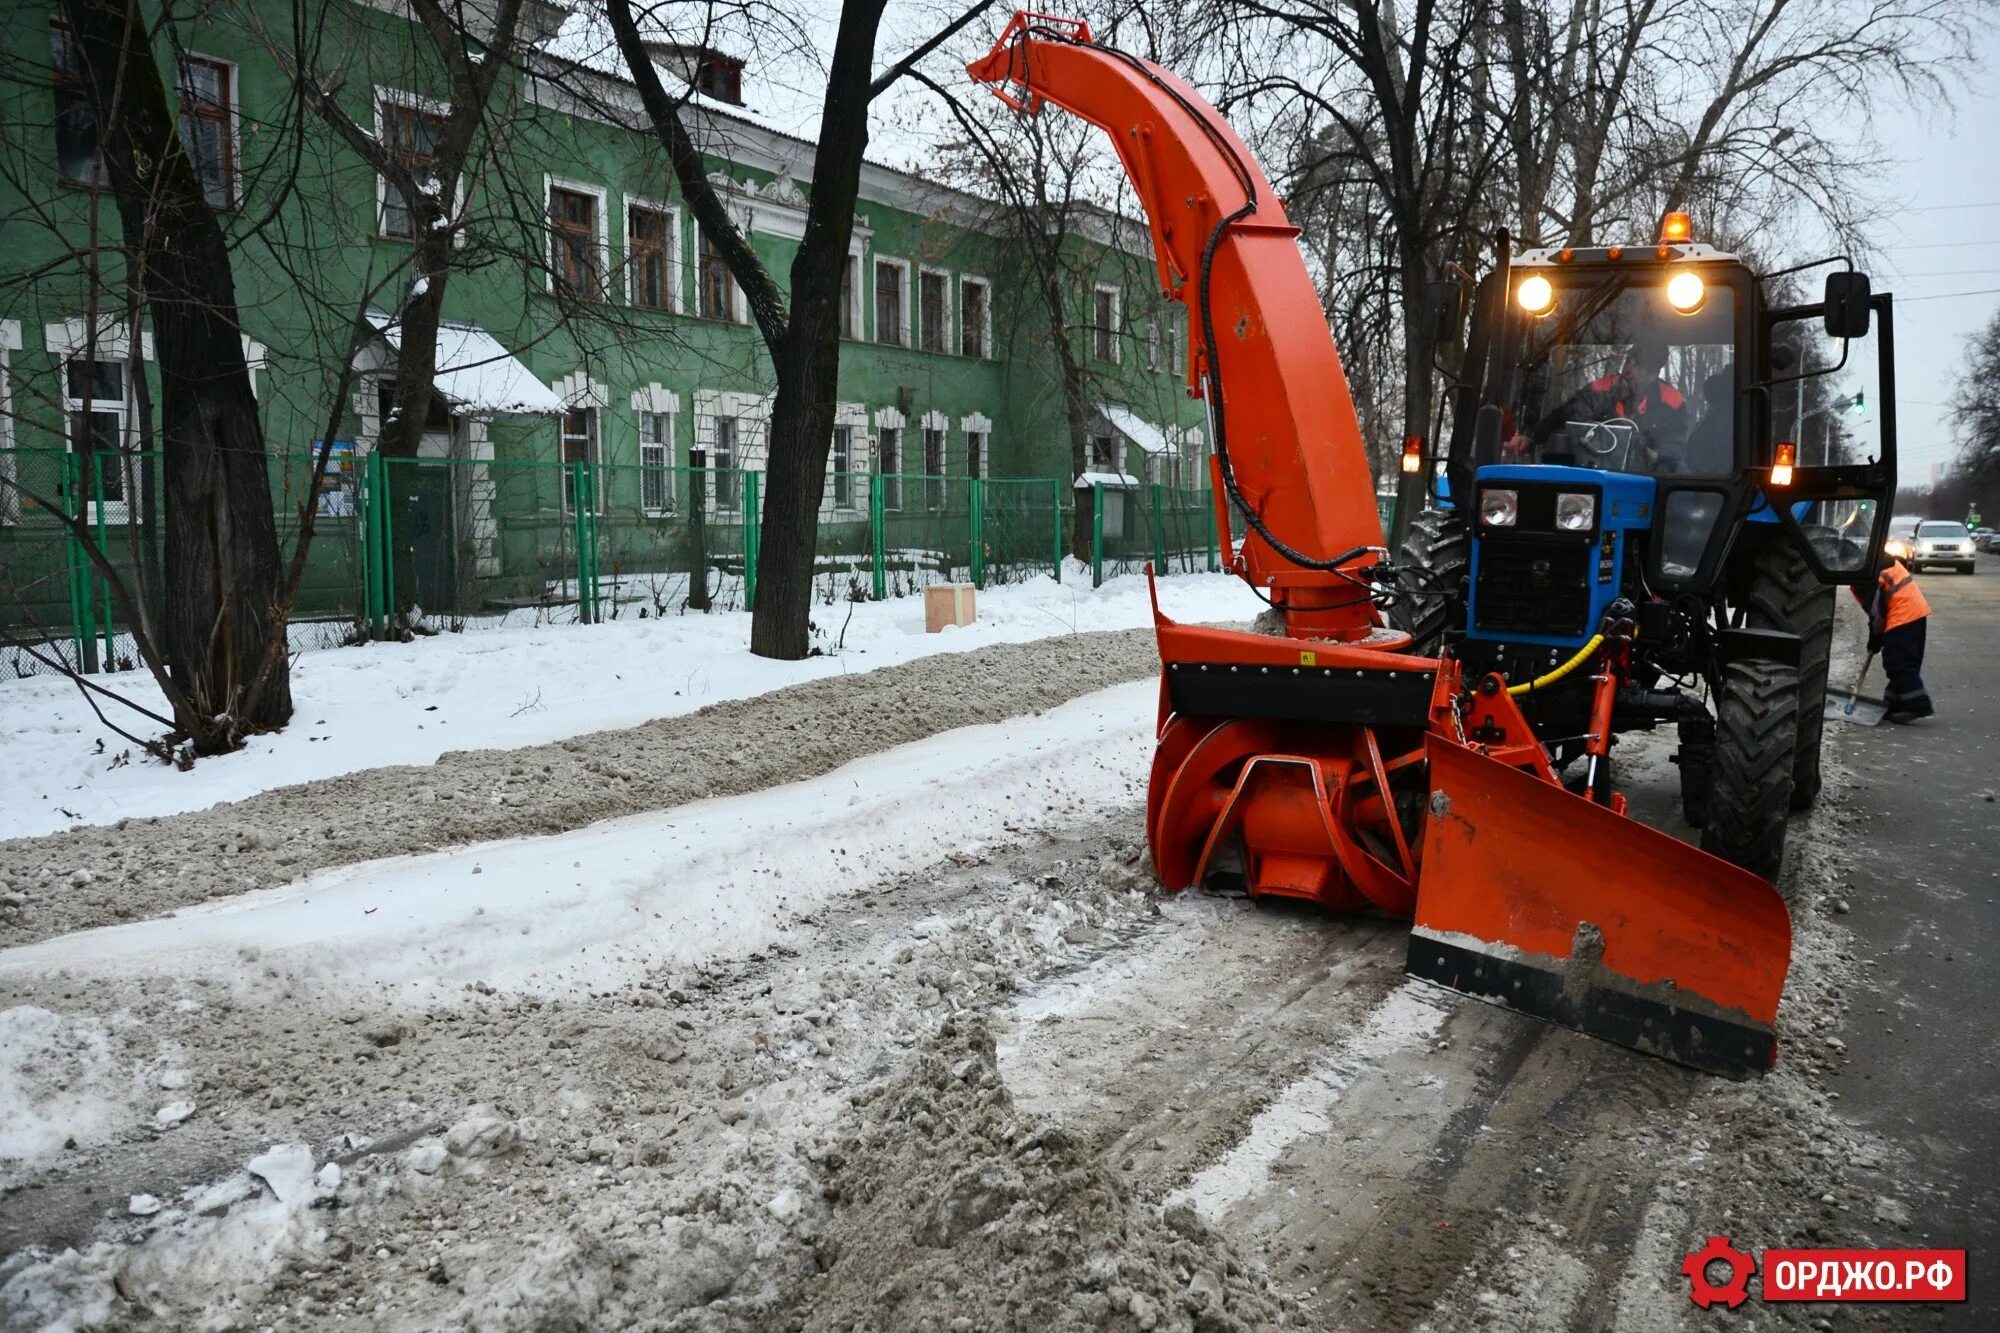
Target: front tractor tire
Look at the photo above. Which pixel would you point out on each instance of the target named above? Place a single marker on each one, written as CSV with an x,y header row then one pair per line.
x,y
1749,794
1432,566
1784,594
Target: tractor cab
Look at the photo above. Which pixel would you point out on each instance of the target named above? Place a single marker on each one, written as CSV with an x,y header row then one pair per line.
x,y
1647,442
1628,411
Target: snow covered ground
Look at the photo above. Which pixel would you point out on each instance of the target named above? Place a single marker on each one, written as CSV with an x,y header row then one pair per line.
x,y
714,878
383,704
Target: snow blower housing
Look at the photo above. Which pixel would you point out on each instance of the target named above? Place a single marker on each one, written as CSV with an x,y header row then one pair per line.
x,y
1354,763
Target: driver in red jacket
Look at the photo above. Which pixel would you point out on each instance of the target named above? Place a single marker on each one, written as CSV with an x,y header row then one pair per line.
x,y
1637,393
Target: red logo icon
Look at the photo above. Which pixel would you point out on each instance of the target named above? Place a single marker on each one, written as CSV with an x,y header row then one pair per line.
x,y
1731,1293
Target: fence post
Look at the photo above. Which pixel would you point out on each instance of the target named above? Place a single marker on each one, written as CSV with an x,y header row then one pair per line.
x,y
978,515
574,476
753,533
1056,521
385,564
364,481
1159,534
1208,507
1096,534
74,563
110,659
878,547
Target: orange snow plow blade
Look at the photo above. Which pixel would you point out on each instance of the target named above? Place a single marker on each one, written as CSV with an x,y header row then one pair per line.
x,y
1550,904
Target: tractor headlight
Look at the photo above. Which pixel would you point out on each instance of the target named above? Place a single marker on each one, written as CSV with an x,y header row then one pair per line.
x,y
1499,508
1686,291
1576,511
1536,294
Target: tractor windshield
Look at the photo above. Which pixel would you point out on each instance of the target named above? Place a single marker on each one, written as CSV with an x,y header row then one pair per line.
x,y
1631,373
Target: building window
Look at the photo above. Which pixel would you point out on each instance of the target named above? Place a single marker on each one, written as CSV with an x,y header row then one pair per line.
x,y
77,156
934,487
1153,343
1176,343
972,319
579,445
841,464
656,460
1104,324
1104,454
888,461
718,289
724,457
573,231
411,134
95,403
975,453
889,303
933,312
208,125
649,243
847,305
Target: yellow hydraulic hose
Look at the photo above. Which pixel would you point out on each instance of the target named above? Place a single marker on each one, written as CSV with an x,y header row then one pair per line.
x,y
1583,655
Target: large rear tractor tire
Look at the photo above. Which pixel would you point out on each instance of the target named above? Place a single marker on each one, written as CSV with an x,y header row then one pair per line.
x,y
1750,792
1432,565
1784,594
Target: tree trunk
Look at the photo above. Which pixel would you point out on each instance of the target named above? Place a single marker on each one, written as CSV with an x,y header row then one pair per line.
x,y
222,568
806,358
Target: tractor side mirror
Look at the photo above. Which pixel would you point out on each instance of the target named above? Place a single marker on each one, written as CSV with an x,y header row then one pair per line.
x,y
1847,296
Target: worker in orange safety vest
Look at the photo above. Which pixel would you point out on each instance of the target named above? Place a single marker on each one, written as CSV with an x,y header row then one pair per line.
x,y
1898,616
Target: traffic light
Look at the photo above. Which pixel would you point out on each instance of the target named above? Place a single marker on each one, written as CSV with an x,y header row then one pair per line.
x,y
1860,404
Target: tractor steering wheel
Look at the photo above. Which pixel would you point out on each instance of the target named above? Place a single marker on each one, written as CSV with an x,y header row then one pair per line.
x,y
1602,439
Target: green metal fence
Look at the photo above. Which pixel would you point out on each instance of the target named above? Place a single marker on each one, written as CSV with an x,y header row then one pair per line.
x,y
463,542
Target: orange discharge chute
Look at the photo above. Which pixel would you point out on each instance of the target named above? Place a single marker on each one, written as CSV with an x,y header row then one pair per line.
x,y
1330,763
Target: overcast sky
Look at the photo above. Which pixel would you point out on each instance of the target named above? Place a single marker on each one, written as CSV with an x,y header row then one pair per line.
x,y
1947,240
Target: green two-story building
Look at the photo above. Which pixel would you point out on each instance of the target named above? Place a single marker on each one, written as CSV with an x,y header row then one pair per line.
x,y
590,325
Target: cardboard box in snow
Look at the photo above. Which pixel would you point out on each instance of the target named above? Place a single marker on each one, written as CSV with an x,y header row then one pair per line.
x,y
947,604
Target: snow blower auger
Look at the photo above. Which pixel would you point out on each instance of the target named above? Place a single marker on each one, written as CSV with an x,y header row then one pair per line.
x,y
1334,763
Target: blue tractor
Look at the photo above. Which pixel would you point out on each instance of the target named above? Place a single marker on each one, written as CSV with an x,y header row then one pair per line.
x,y
1623,460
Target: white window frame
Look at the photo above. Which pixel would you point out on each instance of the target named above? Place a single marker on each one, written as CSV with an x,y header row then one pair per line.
x,y
1117,322
857,298
937,490
903,308
985,315
852,418
676,297
886,419
552,183
235,118
665,405
1176,338
980,425
945,338
411,102
593,453
1153,340
752,414
115,511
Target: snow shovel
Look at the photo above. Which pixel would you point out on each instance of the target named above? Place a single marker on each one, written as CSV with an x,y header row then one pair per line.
x,y
1567,911
1860,711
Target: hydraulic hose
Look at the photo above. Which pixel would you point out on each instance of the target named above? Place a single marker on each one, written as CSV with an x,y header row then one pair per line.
x,y
1583,654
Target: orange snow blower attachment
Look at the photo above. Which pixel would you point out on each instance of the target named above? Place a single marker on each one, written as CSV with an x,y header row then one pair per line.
x,y
1331,763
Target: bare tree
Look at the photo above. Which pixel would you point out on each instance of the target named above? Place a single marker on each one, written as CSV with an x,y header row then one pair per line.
x,y
801,333
216,658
